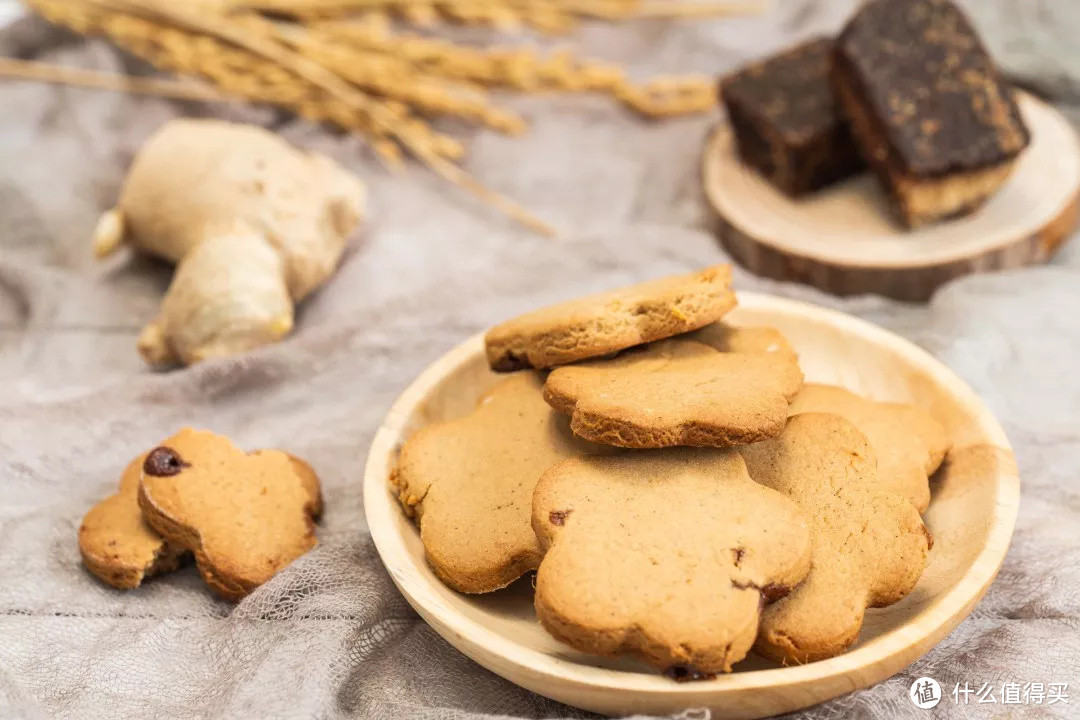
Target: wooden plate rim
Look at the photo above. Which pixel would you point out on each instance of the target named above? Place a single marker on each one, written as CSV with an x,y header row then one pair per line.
x,y
876,660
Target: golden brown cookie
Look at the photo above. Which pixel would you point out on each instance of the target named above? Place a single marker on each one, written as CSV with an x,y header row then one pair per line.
x,y
469,483
753,340
116,543
605,323
665,555
676,392
869,543
310,481
244,515
909,444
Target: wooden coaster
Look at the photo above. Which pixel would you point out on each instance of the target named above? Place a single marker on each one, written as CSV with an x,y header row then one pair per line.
x,y
846,240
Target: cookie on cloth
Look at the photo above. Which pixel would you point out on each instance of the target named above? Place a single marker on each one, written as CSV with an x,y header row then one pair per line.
x,y
869,543
116,543
665,555
608,322
245,516
676,392
909,444
469,483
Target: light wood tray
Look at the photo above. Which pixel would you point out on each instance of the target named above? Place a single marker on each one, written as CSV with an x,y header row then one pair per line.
x,y
974,506
845,239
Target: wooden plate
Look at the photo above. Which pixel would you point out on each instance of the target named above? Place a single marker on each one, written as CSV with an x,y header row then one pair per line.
x,y
975,500
844,239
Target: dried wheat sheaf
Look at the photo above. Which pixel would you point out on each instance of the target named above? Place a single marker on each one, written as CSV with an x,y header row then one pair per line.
x,y
348,63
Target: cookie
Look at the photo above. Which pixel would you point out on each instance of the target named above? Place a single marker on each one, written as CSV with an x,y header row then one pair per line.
x,y
309,480
753,340
869,543
608,322
116,543
665,555
469,483
676,392
909,444
245,516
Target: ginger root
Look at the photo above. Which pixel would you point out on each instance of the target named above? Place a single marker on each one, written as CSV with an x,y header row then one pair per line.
x,y
253,224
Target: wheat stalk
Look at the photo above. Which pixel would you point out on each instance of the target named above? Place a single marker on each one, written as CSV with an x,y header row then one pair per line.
x,y
340,62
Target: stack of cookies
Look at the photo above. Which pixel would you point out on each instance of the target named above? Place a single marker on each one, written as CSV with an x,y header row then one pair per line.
x,y
244,516
680,492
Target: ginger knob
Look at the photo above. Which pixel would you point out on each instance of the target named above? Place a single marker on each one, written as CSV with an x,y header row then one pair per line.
x,y
253,225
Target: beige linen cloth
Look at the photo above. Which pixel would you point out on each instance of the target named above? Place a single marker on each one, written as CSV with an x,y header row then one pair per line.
x,y
331,637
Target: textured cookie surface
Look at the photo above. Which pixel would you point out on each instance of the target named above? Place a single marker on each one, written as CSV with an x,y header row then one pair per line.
x,y
116,543
676,392
244,515
754,340
665,555
908,443
611,321
869,544
470,481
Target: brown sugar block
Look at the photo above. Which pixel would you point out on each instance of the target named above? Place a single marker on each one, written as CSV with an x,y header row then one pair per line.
x,y
469,483
116,543
244,515
786,122
909,444
927,106
611,321
676,392
869,544
665,555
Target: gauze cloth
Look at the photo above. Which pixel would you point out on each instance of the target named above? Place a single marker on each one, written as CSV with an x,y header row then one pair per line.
x,y
330,636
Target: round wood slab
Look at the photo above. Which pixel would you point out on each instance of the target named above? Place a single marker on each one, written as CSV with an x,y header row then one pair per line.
x,y
972,513
846,240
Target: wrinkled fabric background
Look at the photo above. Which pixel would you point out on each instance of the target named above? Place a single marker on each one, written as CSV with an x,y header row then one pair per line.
x,y
331,637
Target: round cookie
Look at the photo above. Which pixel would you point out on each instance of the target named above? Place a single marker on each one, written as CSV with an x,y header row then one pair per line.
x,y
469,483
676,392
244,515
909,444
116,543
608,322
869,543
666,555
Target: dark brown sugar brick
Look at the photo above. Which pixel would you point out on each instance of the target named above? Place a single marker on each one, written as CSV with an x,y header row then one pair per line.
x,y
927,106
786,122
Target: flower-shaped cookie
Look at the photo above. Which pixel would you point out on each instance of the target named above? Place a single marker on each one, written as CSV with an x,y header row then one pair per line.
x,y
909,444
667,555
244,515
116,543
607,322
870,544
676,392
470,481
